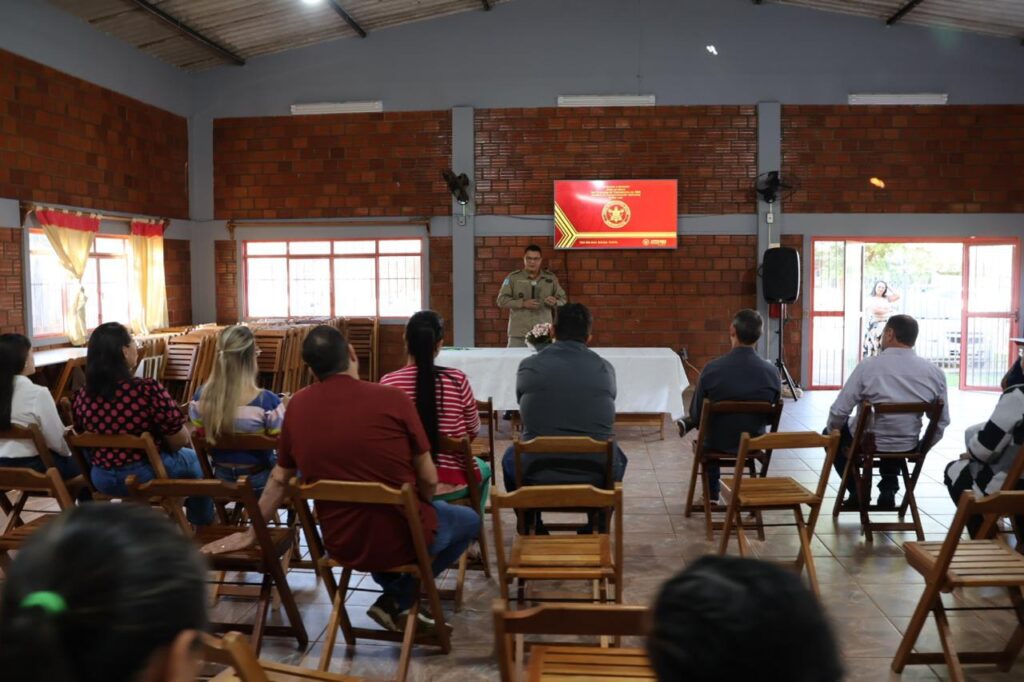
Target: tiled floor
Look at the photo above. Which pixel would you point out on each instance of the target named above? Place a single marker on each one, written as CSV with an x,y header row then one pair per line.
x,y
868,590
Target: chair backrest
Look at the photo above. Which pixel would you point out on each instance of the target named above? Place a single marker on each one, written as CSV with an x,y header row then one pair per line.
x,y
63,386
363,334
566,445
771,412
233,651
789,441
359,493
31,481
562,619
991,508
863,442
240,441
32,434
144,442
464,447
150,367
554,497
485,408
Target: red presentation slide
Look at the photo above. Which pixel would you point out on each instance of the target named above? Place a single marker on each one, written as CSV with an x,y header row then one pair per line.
x,y
615,214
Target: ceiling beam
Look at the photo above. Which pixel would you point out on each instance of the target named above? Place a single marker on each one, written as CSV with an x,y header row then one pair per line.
x,y
902,12
347,17
189,32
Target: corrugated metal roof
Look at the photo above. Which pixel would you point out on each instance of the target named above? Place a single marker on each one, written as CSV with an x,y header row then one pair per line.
x,y
250,28
994,17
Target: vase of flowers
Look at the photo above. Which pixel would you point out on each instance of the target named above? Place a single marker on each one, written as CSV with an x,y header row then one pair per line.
x,y
539,337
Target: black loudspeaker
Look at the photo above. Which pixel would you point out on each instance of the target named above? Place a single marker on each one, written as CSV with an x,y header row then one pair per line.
x,y
780,274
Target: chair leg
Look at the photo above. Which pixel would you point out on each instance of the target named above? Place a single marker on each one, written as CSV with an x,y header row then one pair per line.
x,y
408,639
260,621
805,556
709,527
694,474
837,507
460,580
917,621
484,553
910,501
1016,641
438,614
332,630
863,483
956,671
727,527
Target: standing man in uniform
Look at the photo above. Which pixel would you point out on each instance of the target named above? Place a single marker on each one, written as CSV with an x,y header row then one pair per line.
x,y
531,295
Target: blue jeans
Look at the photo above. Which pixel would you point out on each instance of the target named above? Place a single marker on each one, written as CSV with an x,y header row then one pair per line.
x,y
457,527
66,466
182,464
258,480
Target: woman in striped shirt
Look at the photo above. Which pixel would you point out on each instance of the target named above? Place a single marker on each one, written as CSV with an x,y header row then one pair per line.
x,y
444,401
231,403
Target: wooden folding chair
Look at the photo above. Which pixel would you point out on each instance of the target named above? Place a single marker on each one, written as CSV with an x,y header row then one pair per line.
x,y
182,357
363,333
472,500
28,482
380,495
266,557
954,563
32,434
270,361
710,411
560,445
779,494
483,444
596,558
566,662
62,388
862,458
233,651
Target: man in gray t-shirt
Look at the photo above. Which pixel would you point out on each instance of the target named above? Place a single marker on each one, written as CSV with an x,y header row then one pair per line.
x,y
566,390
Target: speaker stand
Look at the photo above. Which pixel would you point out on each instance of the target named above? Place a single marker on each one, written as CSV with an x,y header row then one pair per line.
x,y
780,363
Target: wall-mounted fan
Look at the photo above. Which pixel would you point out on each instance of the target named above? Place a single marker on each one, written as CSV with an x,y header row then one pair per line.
x,y
457,185
770,187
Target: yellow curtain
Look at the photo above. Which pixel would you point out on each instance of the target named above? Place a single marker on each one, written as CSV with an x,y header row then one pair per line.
x,y
149,289
71,236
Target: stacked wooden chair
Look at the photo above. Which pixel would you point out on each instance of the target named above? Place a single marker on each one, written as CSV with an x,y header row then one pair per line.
x,y
863,457
189,363
754,495
71,375
371,494
363,333
756,463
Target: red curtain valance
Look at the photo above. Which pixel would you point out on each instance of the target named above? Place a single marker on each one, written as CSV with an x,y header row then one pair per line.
x,y
86,222
148,228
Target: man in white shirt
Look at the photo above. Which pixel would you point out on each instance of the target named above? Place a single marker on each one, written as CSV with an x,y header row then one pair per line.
x,y
29,404
896,375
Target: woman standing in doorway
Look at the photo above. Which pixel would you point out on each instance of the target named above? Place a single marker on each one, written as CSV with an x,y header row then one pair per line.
x,y
876,314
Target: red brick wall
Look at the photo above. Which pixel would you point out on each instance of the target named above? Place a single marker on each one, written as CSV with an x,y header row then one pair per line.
x,y
385,164
178,275
67,141
12,288
226,273
673,299
948,159
711,150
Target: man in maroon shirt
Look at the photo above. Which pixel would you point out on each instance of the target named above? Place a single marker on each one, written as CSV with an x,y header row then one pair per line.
x,y
344,429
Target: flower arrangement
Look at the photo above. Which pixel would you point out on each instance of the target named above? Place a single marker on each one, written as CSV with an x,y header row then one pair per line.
x,y
539,336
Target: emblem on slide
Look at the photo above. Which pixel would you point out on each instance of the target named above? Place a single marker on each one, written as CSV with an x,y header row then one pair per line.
x,y
615,214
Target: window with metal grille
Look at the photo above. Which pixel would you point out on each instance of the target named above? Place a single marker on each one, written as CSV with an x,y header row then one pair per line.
x,y
350,277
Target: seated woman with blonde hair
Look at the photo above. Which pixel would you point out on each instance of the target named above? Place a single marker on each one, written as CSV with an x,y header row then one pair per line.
x,y
231,403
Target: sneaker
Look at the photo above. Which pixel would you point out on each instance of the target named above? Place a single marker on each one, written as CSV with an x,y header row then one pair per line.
x,y
681,425
715,501
887,499
426,625
385,613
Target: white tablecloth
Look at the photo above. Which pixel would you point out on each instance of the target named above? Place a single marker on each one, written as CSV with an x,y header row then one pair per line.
x,y
649,380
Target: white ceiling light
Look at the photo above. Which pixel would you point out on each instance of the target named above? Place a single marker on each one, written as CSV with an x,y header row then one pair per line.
x,y
367,107
712,50
312,2
606,100
910,98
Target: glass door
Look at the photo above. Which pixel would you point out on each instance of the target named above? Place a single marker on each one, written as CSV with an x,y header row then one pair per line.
x,y
989,318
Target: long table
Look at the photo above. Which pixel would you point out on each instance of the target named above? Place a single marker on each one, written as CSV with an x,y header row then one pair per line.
x,y
57,356
649,380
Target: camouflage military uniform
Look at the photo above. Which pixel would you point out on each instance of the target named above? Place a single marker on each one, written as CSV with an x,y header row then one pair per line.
x,y
517,288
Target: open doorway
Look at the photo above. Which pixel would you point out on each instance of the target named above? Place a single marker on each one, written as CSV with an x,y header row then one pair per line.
x,y
963,293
